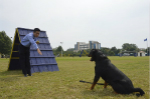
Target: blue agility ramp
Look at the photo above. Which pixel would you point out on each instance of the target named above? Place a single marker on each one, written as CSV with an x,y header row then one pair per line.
x,y
39,63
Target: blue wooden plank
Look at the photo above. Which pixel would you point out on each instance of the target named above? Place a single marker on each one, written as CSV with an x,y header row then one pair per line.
x,y
45,40
21,37
55,68
51,53
42,49
44,46
42,57
45,34
42,61
47,53
31,54
45,68
35,68
50,45
29,31
32,71
36,53
50,59
49,67
47,46
40,68
33,60
39,46
24,32
20,31
38,60
53,60
44,64
44,53
46,60
39,39
42,34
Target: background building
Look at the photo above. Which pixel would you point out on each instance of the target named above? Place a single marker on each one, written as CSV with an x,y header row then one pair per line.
x,y
141,53
81,46
94,45
91,45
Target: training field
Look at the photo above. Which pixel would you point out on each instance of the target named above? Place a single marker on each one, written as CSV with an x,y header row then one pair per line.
x,y
64,84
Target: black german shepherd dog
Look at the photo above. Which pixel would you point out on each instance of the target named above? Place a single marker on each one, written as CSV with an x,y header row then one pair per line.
x,y
111,74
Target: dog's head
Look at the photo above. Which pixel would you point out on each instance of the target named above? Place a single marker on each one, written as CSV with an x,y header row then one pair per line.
x,y
96,55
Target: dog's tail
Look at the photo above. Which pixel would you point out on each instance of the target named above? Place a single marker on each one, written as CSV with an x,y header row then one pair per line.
x,y
139,90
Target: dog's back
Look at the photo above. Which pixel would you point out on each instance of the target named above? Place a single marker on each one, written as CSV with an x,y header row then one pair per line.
x,y
110,72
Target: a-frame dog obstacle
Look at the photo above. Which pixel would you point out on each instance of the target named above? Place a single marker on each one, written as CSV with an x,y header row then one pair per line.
x,y
38,63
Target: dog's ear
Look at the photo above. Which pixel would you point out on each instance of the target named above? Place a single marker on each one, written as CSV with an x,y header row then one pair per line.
x,y
94,50
101,53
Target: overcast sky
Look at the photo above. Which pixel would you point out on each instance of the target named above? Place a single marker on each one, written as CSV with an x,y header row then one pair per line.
x,y
110,22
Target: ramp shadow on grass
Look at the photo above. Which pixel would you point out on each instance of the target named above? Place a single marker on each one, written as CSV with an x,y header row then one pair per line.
x,y
10,79
12,72
8,76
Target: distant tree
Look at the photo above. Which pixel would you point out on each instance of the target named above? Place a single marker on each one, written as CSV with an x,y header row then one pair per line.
x,y
5,43
59,49
118,51
88,50
69,55
70,49
114,50
105,50
84,53
129,47
111,53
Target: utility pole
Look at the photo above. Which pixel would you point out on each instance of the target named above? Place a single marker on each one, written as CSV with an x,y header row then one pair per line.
x,y
147,48
11,39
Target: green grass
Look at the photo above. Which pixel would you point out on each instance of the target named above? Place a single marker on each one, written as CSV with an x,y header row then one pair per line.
x,y
64,84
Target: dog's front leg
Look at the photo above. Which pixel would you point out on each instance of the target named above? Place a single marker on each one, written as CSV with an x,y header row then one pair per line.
x,y
105,84
94,82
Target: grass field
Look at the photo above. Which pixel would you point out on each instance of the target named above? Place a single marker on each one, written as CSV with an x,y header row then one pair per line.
x,y
64,84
